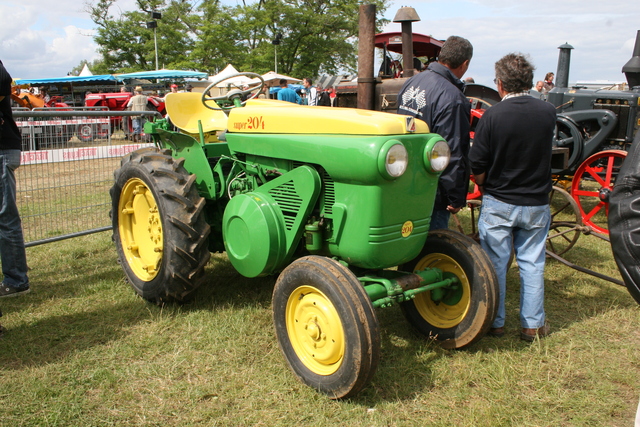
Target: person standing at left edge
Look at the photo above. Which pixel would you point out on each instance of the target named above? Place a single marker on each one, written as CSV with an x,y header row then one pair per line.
x,y
12,252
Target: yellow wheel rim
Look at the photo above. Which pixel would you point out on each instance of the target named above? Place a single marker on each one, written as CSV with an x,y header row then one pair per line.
x,y
315,330
450,311
140,229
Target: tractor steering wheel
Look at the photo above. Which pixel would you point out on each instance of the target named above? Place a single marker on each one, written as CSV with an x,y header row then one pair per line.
x,y
234,95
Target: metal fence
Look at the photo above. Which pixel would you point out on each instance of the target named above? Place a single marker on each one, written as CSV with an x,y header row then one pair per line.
x,y
68,159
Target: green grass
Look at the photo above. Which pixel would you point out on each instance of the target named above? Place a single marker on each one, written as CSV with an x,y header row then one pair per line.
x,y
83,350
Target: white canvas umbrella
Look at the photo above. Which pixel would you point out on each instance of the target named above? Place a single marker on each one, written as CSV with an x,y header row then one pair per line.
x,y
273,79
228,72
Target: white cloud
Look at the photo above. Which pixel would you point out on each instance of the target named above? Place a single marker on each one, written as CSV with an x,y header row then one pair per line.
x,y
42,38
602,35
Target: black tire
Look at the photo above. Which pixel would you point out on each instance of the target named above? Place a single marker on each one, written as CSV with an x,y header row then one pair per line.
x,y
326,326
159,227
568,135
86,132
465,313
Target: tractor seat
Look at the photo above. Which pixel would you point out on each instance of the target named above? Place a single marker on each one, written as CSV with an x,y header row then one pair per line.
x,y
186,109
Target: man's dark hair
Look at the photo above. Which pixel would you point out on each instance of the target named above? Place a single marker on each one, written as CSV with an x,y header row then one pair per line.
x,y
307,79
455,51
283,82
515,72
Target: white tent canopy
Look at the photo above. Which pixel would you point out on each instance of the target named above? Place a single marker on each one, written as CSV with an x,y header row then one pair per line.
x,y
273,79
85,71
228,72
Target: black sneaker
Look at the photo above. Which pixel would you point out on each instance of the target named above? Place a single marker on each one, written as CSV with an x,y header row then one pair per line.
x,y
8,291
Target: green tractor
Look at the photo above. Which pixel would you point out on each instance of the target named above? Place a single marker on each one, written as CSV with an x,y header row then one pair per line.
x,y
336,201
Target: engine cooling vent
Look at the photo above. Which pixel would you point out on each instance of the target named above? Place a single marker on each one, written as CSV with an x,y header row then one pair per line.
x,y
328,195
289,201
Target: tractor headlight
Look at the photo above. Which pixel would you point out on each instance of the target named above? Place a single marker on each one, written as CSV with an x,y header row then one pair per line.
x,y
437,155
393,159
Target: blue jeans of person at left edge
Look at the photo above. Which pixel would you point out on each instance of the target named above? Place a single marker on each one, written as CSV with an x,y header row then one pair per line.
x,y
137,125
12,251
503,226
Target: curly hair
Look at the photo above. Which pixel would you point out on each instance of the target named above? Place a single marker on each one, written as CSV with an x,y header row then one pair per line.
x,y
455,51
515,71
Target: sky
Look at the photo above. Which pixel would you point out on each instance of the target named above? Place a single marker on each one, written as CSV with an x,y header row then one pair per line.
x,y
48,38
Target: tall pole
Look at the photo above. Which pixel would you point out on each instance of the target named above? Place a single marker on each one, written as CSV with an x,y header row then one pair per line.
x,y
155,42
275,47
366,36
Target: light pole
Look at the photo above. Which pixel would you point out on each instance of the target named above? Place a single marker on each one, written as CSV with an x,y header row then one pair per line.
x,y
275,43
154,24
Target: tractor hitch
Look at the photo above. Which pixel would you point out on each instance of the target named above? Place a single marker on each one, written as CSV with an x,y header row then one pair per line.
x,y
398,286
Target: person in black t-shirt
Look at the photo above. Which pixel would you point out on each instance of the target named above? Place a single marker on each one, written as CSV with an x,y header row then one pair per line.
x,y
511,161
12,251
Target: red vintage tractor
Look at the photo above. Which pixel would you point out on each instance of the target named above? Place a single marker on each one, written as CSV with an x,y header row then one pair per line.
x,y
43,133
116,101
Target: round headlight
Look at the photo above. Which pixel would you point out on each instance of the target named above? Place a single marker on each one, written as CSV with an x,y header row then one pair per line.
x,y
439,156
396,160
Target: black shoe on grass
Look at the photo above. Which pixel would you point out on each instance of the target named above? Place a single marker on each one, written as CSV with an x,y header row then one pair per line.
x,y
9,291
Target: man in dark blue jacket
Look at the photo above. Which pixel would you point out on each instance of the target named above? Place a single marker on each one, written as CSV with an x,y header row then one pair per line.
x,y
435,96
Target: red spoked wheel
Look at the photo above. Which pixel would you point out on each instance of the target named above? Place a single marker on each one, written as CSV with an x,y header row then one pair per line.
x,y
592,184
474,190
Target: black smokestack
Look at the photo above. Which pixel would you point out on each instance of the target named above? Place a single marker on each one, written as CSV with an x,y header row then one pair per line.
x,y
632,68
564,60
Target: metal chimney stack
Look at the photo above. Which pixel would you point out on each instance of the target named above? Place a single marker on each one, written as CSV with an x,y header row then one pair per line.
x,y
564,60
406,15
632,68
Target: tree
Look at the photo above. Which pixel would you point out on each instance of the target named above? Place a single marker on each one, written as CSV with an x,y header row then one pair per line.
x,y
127,45
96,67
317,35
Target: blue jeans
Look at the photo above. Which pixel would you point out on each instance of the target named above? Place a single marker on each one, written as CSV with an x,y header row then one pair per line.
x,y
503,226
137,123
439,219
12,252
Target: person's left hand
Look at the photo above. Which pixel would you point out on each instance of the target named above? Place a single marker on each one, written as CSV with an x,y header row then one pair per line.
x,y
453,210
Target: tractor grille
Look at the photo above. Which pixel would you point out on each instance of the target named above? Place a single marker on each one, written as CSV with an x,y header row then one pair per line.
x,y
328,195
289,201
620,107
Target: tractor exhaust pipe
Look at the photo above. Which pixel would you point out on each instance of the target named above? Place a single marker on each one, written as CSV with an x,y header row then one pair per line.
x,y
406,15
564,60
366,36
632,68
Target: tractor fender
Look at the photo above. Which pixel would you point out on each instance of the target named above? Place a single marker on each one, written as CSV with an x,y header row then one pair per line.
x,y
196,162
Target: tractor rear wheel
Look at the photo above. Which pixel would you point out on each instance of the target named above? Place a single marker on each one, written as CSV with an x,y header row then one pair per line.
x,y
592,185
465,312
326,326
159,226
566,221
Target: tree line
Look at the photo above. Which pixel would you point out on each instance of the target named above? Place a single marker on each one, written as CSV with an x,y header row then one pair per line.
x,y
305,37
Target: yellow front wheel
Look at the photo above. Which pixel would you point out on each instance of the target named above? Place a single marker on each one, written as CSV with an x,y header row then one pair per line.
x,y
326,326
460,314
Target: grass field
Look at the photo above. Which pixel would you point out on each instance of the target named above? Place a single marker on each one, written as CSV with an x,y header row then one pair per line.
x,y
82,350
